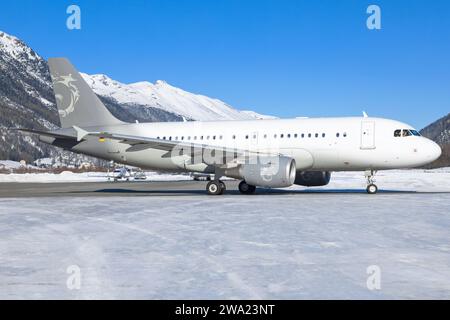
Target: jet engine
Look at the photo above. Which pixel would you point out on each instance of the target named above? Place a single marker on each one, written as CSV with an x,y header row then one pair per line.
x,y
312,178
274,172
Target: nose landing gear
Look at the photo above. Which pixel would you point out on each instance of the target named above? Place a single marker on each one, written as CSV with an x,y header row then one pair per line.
x,y
371,186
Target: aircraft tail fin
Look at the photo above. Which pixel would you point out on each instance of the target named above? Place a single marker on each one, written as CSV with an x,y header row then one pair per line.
x,y
77,104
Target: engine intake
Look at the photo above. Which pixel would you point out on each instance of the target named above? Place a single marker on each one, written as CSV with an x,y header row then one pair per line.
x,y
312,178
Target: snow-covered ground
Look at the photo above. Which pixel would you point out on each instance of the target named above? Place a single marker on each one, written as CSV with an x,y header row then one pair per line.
x,y
419,180
271,245
68,176
401,180
9,164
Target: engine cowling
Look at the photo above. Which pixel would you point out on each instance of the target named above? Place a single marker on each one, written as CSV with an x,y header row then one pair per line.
x,y
312,178
274,172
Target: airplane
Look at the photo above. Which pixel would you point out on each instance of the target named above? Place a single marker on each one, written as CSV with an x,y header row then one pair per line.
x,y
275,153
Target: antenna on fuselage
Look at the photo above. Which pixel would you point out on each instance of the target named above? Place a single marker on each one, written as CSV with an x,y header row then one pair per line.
x,y
365,114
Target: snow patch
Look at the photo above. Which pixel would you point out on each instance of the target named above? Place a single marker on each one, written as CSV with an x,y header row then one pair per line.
x,y
68,176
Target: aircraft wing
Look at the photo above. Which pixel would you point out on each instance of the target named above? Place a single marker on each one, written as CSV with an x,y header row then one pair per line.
x,y
138,143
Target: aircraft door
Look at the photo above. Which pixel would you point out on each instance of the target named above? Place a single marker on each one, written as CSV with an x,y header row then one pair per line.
x,y
368,134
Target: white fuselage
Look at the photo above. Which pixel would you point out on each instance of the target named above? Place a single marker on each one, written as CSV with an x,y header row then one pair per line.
x,y
322,144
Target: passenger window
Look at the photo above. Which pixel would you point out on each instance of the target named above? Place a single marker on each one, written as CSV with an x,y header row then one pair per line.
x,y
309,135
246,137
234,136
265,136
281,135
289,135
323,135
275,136
201,137
345,134
317,135
214,137
295,135
254,136
220,137
337,135
397,133
303,135
195,137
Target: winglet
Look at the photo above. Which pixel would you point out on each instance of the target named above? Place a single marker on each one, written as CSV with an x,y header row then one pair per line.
x,y
80,133
365,114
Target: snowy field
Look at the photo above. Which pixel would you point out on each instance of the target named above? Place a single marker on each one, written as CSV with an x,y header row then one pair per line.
x,y
68,176
273,245
401,180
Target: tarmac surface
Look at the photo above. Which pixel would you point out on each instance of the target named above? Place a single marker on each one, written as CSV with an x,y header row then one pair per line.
x,y
105,189
159,188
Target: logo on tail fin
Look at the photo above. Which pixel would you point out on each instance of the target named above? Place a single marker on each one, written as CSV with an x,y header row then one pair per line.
x,y
67,94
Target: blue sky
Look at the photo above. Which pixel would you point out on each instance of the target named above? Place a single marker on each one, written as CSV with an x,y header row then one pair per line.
x,y
280,57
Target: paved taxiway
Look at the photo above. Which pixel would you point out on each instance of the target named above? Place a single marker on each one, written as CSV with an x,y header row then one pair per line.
x,y
164,188
106,189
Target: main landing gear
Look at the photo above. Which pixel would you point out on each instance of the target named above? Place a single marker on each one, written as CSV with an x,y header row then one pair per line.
x,y
371,186
215,187
246,188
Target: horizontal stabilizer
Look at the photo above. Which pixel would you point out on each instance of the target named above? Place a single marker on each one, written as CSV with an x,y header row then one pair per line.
x,y
43,133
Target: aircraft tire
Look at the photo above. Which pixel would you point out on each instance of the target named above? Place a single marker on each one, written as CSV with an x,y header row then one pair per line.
x,y
214,188
246,188
372,189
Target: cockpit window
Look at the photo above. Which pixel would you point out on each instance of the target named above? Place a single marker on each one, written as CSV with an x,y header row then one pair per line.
x,y
406,133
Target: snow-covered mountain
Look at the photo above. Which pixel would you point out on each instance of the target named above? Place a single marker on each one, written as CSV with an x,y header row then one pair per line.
x,y
27,100
166,97
258,116
439,131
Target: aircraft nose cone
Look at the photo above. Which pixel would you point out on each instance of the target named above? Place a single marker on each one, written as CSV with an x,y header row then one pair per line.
x,y
435,150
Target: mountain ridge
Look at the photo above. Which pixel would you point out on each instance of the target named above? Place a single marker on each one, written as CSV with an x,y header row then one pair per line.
x,y
163,96
439,131
27,101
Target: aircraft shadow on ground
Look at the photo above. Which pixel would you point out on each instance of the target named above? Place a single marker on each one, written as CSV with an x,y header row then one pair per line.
x,y
268,192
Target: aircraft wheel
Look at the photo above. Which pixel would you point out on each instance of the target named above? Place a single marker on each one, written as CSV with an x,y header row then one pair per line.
x,y
214,188
372,189
246,188
223,187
